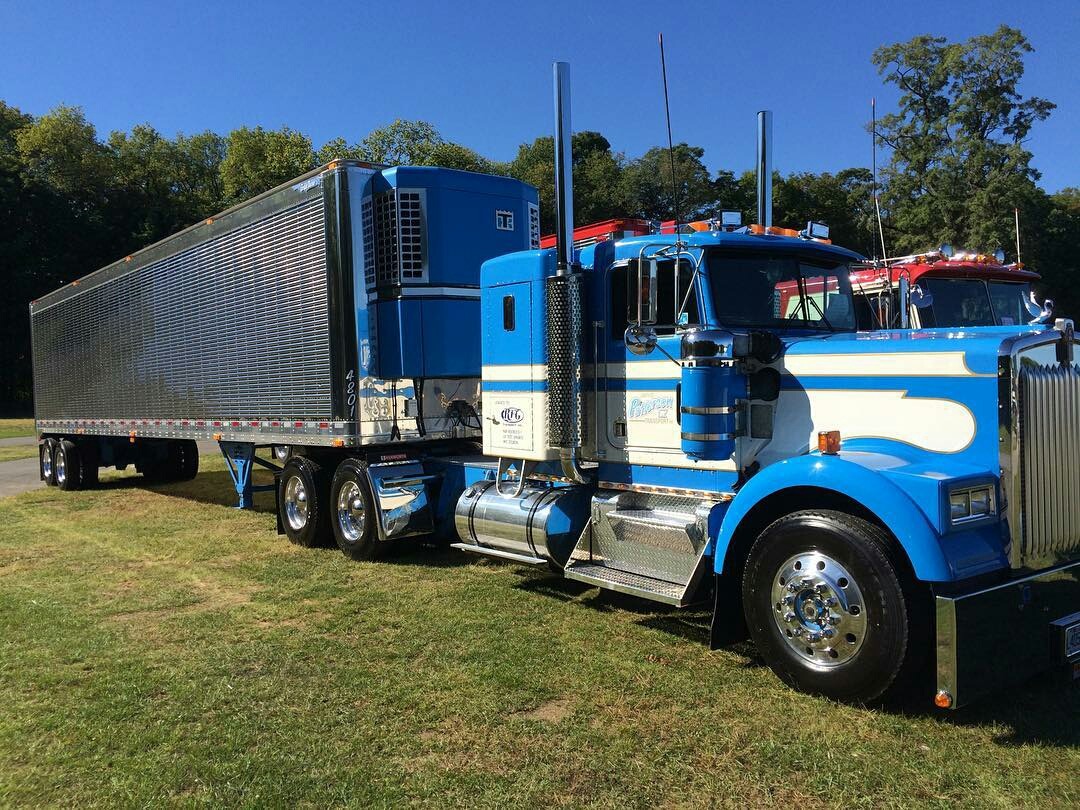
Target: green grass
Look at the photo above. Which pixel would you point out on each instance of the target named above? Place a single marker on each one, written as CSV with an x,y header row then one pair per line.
x,y
17,452
158,647
16,427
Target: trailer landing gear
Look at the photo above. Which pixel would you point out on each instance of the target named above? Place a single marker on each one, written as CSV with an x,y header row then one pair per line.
x,y
240,459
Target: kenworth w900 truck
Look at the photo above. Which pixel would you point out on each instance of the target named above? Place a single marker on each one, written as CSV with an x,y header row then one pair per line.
x,y
643,415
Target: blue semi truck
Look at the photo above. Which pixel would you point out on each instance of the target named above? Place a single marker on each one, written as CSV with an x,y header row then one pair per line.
x,y
685,418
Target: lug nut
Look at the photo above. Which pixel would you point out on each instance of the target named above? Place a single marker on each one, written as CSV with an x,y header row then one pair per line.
x,y
789,616
813,636
821,587
789,600
831,602
834,620
828,632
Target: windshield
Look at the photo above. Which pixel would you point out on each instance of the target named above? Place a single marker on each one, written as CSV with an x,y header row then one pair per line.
x,y
1011,302
773,292
974,302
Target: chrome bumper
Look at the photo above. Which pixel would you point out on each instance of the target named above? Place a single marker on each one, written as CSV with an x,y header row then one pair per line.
x,y
996,636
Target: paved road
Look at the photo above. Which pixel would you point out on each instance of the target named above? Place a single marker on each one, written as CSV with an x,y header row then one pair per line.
x,y
19,476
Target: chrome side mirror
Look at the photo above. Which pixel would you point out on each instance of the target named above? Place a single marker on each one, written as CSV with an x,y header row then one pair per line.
x,y
640,339
1042,314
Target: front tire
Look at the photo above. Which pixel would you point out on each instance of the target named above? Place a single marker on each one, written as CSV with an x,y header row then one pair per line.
x,y
354,512
830,609
303,502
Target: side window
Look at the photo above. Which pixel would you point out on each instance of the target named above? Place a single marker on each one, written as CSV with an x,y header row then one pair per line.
x,y
671,295
508,313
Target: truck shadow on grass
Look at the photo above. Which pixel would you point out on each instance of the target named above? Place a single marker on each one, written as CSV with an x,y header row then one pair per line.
x,y
213,487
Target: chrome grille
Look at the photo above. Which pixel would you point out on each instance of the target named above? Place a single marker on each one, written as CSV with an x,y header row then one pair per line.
x,y
394,238
1050,460
235,327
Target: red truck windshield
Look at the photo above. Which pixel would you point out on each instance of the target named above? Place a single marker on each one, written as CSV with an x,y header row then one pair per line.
x,y
974,302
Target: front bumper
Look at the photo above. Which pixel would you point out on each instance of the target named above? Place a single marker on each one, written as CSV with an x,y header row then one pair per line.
x,y
996,636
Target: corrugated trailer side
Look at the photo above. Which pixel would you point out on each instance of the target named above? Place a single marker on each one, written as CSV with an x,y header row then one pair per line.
x,y
241,328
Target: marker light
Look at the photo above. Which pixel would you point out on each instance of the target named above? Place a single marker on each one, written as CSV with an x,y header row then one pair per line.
x,y
828,442
943,700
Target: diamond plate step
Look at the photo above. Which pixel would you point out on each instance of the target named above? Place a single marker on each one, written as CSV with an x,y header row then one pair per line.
x,y
658,590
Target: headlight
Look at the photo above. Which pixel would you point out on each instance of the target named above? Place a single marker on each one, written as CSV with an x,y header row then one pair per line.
x,y
971,503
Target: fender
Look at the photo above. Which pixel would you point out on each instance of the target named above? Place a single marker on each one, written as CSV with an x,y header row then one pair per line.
x,y
844,476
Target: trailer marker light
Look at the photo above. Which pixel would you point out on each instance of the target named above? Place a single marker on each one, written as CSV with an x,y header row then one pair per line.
x,y
324,425
338,443
829,442
217,437
943,700
131,437
298,424
210,221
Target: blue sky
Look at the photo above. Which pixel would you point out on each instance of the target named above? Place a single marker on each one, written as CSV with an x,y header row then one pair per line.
x,y
481,71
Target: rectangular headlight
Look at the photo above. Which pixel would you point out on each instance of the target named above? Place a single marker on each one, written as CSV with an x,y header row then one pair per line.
x,y
971,503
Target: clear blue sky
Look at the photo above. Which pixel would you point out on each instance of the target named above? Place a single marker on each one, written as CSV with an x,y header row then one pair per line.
x,y
481,71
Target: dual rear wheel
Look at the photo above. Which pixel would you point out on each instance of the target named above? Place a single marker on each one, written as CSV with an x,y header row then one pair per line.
x,y
313,506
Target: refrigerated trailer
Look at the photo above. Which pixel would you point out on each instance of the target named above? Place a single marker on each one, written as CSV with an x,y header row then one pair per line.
x,y
312,315
682,417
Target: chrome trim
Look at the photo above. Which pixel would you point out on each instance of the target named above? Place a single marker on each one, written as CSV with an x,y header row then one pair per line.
x,y
708,437
1012,508
498,554
709,410
651,489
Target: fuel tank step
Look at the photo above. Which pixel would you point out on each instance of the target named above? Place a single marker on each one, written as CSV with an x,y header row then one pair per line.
x,y
602,576
499,554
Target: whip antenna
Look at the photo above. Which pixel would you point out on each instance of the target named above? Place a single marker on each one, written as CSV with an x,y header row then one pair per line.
x,y
1016,213
671,148
877,204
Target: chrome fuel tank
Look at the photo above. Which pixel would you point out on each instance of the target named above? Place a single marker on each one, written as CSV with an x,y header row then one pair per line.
x,y
541,522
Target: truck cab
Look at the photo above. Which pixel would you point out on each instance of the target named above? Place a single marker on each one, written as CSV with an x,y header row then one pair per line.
x,y
948,289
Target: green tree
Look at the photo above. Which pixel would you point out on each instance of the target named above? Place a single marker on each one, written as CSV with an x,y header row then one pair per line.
x,y
958,164
597,177
61,149
647,188
257,160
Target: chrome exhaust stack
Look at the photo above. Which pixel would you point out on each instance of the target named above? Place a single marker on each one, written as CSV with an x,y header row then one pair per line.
x,y
764,168
564,327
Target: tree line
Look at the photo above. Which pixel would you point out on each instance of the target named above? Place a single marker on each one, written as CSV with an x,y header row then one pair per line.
x,y
956,167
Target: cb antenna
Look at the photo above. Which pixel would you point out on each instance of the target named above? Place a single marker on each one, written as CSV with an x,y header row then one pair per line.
x,y
877,204
1016,213
671,148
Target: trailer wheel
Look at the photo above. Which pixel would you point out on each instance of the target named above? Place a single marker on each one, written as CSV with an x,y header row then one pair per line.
x,y
188,466
354,512
303,500
46,449
88,458
67,466
829,609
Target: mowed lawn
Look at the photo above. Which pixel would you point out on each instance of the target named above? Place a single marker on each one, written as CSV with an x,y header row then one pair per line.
x,y
159,647
10,428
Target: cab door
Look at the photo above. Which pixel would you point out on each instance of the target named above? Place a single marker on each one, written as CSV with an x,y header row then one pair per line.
x,y
640,392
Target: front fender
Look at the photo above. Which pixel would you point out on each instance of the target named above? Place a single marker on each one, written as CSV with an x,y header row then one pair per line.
x,y
891,505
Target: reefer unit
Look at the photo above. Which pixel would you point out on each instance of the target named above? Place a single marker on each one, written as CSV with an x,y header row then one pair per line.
x,y
302,315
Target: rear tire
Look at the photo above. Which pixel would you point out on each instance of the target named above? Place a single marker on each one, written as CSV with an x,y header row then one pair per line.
x,y
45,462
303,498
354,512
67,466
189,460
831,610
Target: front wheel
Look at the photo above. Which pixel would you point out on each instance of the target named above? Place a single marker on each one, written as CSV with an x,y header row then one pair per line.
x,y
829,608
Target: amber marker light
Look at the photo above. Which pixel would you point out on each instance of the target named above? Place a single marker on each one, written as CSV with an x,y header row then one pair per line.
x,y
828,442
217,437
338,442
943,700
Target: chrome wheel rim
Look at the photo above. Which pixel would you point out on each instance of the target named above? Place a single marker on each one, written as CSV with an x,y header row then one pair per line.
x,y
819,609
46,462
61,467
351,515
296,503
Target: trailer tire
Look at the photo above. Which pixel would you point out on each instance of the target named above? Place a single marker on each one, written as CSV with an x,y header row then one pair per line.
x,y
189,459
88,458
831,610
45,462
67,466
354,514
304,502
